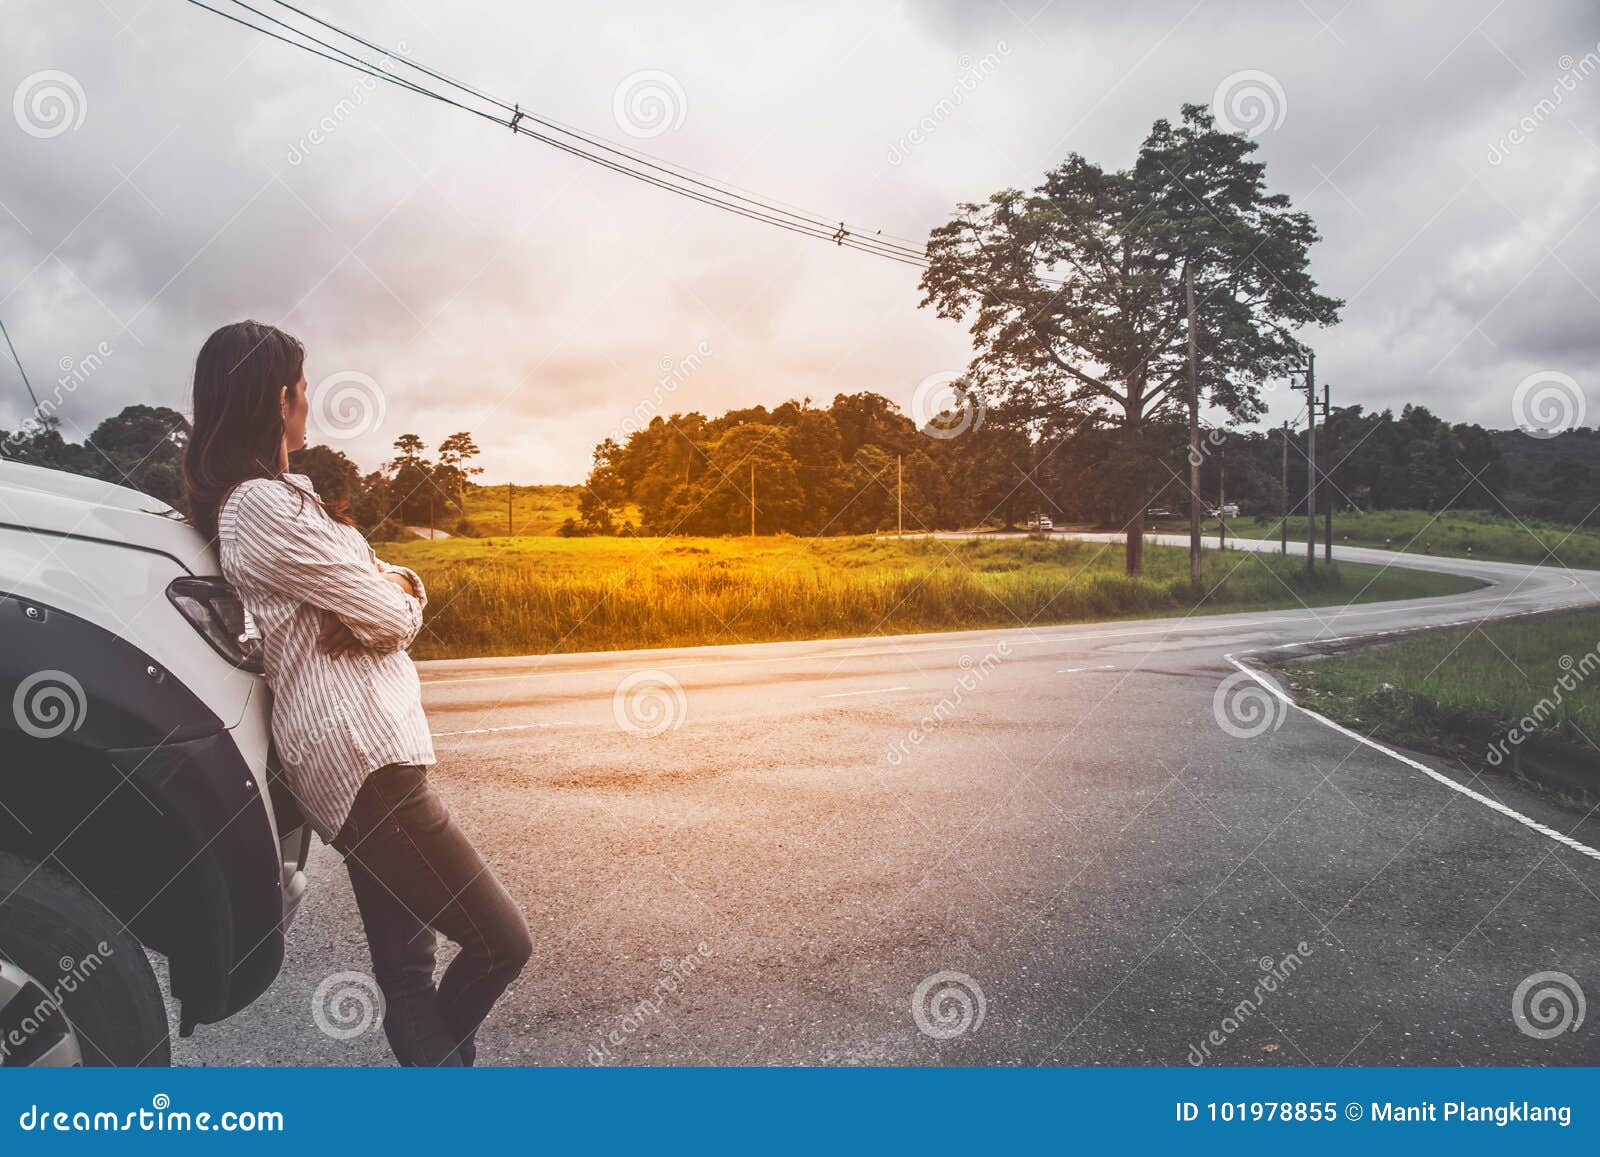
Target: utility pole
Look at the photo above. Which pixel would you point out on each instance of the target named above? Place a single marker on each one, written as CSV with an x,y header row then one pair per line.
x,y
752,499
1194,431
1283,522
1327,464
899,504
1311,460
430,518
509,528
1222,499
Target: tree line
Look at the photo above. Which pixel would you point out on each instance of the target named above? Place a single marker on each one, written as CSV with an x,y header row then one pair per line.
x,y
142,447
839,470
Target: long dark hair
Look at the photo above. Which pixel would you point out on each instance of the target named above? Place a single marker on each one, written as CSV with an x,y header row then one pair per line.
x,y
238,422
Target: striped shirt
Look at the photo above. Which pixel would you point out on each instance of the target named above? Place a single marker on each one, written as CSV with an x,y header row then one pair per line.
x,y
334,720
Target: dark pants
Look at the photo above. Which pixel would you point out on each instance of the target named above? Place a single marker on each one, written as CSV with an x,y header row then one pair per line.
x,y
414,872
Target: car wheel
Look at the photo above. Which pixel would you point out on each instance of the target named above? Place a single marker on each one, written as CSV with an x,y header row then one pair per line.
x,y
75,989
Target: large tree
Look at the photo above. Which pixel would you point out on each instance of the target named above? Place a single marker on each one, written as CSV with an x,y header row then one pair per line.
x,y
142,447
334,476
1077,293
412,488
603,495
455,468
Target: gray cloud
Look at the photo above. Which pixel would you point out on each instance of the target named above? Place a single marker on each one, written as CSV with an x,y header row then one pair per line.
x,y
488,283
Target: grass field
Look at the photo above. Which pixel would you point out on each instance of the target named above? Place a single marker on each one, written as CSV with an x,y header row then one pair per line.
x,y
1438,688
531,509
533,595
539,510
1454,533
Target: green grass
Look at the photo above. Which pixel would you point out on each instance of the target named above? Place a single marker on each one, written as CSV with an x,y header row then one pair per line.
x,y
533,510
1454,533
1443,688
533,595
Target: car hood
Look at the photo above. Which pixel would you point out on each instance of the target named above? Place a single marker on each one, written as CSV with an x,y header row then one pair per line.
x,y
55,502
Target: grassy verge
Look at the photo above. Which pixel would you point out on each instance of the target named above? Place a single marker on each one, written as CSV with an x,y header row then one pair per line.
x,y
1455,533
532,595
1506,694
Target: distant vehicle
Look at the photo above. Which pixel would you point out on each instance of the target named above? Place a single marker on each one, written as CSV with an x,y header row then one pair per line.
x,y
1041,522
1228,510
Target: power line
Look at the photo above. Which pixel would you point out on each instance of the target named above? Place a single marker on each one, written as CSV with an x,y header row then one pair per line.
x,y
752,208
20,370
626,162
911,248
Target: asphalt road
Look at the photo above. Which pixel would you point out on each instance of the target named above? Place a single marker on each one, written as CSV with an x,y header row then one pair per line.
x,y
1056,814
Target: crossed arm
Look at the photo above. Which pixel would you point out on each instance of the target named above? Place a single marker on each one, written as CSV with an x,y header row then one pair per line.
x,y
336,638
286,543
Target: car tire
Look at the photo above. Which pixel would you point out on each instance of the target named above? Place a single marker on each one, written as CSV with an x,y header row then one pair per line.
x,y
57,941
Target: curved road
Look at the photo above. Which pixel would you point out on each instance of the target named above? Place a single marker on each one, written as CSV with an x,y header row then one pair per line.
x,y
1046,830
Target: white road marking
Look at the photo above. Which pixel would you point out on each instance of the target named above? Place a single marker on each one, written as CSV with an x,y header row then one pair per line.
x,y
1167,627
1492,804
1075,670
510,727
869,691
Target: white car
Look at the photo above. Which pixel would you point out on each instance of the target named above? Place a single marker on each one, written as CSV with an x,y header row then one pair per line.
x,y
138,805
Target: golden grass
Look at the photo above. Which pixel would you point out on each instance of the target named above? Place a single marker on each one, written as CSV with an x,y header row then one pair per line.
x,y
532,595
533,510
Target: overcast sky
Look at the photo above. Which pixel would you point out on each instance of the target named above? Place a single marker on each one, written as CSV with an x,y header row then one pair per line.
x,y
163,172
